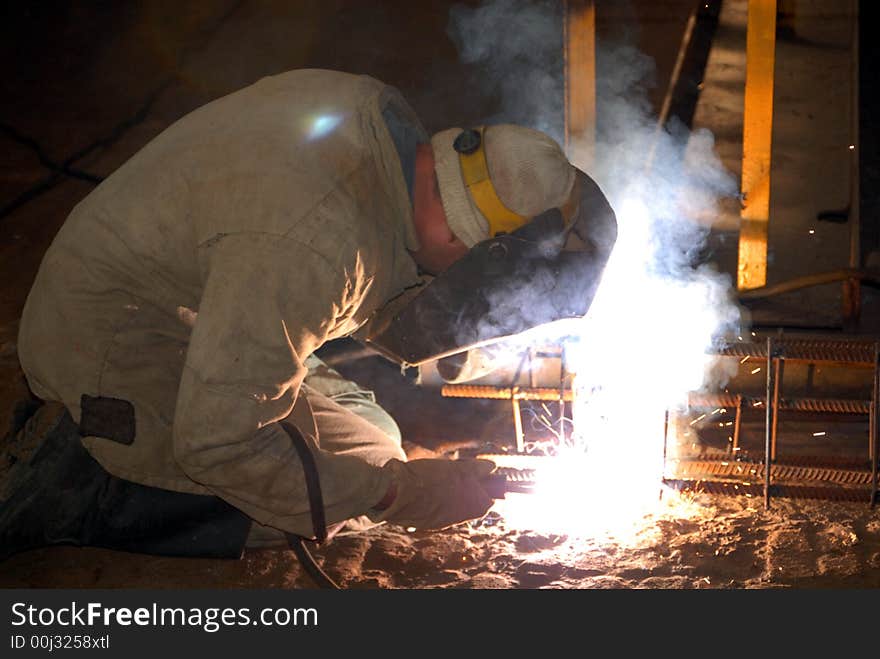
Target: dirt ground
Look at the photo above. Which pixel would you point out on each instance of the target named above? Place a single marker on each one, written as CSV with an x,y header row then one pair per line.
x,y
703,542
149,67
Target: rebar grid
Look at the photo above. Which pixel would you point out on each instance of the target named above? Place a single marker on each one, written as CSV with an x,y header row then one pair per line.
x,y
776,350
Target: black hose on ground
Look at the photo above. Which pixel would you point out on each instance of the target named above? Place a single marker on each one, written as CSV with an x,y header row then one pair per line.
x,y
316,505
297,544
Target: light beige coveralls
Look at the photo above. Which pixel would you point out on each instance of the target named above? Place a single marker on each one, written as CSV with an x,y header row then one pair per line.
x,y
197,279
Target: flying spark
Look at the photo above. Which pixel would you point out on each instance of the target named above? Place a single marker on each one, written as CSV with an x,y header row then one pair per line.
x,y
699,418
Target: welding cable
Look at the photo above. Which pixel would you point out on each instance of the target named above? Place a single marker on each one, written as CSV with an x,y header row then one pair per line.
x,y
298,545
313,481
66,167
501,482
58,168
316,507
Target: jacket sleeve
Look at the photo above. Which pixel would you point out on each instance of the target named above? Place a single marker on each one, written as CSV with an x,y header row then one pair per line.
x,y
268,302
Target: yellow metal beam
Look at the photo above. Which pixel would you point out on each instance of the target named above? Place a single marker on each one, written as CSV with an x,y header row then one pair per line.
x,y
757,137
580,83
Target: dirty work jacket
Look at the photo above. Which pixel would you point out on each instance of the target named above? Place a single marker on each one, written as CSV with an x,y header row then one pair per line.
x,y
196,279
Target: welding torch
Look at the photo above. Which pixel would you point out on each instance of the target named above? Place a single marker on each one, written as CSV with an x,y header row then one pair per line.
x,y
506,480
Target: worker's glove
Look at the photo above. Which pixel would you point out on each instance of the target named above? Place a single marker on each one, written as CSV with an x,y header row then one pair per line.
x,y
436,493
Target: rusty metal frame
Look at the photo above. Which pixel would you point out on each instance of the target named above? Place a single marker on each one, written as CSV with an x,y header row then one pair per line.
x,y
516,393
776,350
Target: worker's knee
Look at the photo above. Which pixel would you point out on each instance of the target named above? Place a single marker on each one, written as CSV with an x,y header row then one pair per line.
x,y
357,428
373,413
350,396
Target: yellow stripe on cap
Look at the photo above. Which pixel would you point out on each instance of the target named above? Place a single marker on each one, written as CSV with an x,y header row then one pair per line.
x,y
475,172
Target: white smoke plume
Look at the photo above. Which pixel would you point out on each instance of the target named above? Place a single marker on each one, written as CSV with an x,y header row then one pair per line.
x,y
660,310
517,45
664,184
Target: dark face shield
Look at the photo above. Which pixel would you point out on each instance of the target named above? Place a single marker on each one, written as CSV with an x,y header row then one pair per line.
x,y
543,272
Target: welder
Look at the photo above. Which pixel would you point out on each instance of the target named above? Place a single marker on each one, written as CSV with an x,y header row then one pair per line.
x,y
168,340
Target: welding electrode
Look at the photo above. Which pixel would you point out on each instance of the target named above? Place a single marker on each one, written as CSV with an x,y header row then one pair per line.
x,y
507,480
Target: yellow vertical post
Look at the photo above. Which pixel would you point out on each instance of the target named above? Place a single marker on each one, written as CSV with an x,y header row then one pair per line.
x,y
580,82
757,135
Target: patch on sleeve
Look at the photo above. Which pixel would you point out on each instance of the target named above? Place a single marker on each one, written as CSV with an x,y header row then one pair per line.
x,y
107,418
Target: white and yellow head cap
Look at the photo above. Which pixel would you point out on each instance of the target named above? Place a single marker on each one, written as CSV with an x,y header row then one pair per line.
x,y
494,179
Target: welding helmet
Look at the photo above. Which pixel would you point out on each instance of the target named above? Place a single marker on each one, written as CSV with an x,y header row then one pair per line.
x,y
527,270
494,179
